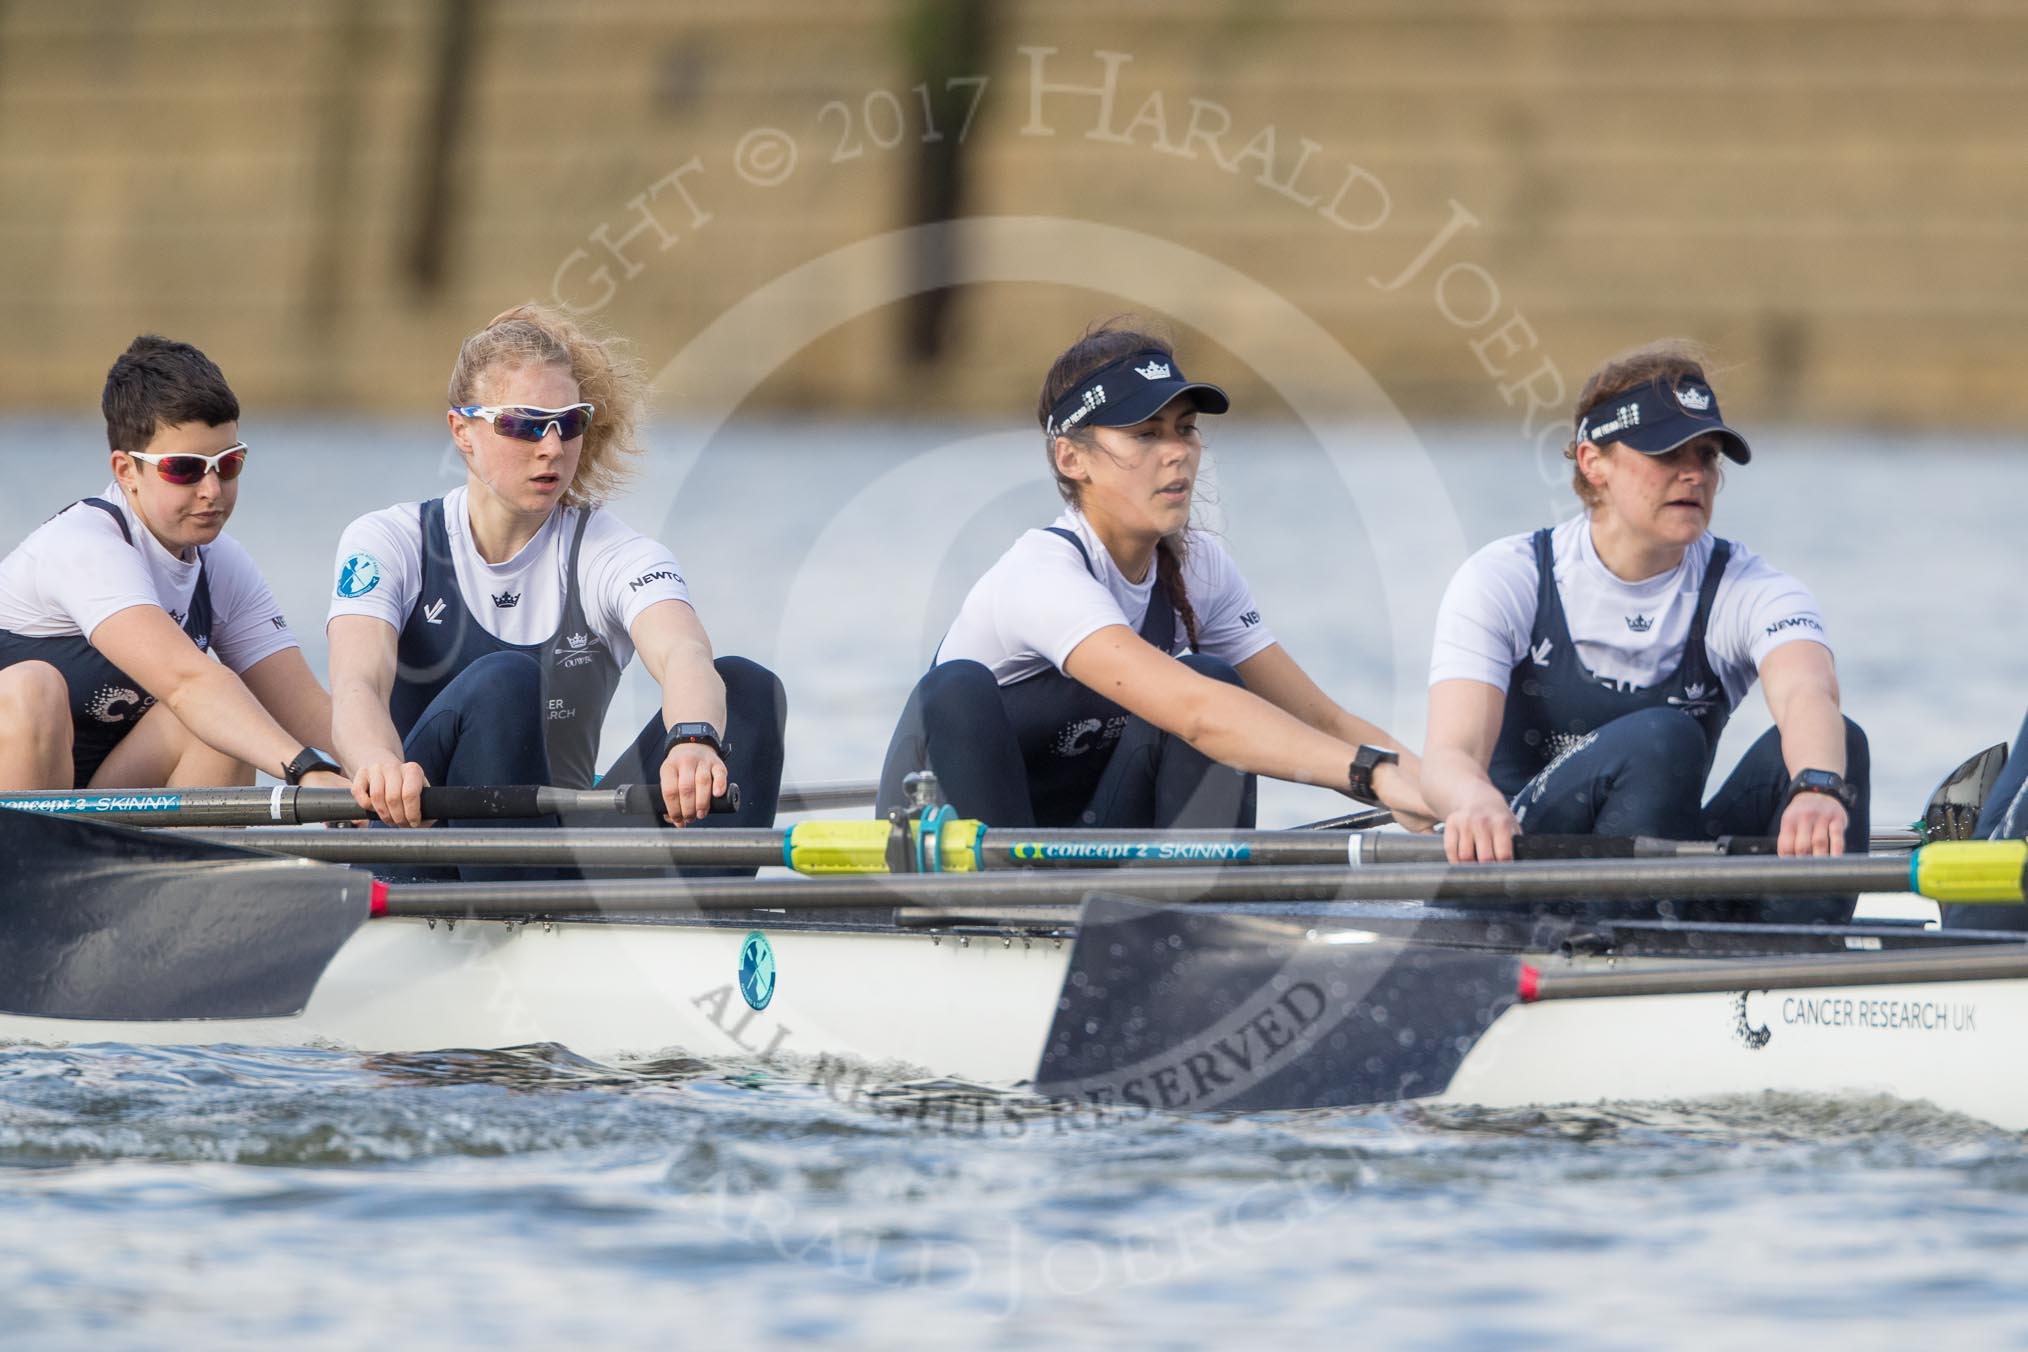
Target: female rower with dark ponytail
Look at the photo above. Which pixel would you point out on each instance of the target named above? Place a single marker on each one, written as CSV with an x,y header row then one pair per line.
x,y
1112,670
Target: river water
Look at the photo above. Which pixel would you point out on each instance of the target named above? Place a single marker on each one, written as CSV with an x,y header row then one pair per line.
x,y
528,1198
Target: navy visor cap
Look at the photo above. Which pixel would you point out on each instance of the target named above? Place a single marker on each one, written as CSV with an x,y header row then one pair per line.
x,y
1130,390
1656,418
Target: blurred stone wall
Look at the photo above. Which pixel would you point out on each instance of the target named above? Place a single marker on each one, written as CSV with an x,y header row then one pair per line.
x,y
1475,199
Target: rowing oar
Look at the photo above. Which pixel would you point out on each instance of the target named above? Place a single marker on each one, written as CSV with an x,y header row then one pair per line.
x,y
827,795
866,846
827,848
1185,1009
111,922
283,805
104,922
859,847
1970,871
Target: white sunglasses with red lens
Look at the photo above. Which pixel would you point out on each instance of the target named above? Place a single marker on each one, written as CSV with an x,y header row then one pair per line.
x,y
185,470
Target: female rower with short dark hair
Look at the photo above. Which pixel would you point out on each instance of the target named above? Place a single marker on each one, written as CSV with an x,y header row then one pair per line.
x,y
478,638
1582,674
1112,670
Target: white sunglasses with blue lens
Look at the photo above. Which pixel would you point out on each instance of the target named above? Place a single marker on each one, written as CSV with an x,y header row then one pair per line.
x,y
524,422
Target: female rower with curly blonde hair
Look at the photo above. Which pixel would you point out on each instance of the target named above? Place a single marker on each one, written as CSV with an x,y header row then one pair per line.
x,y
478,638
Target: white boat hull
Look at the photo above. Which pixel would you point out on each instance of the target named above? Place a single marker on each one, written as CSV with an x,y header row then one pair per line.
x,y
1945,1043
623,991
980,1008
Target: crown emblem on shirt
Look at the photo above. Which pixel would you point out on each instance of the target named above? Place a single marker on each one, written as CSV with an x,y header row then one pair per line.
x,y
506,600
578,640
1640,624
1695,699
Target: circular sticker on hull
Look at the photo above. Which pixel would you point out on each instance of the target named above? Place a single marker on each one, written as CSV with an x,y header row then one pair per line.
x,y
757,970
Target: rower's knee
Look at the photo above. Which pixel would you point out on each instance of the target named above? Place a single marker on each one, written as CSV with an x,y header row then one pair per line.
x,y
752,691
33,690
34,698
1664,736
501,681
1216,668
950,688
1858,755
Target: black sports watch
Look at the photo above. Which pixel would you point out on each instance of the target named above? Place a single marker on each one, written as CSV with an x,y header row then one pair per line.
x,y
684,733
1824,782
307,762
1359,778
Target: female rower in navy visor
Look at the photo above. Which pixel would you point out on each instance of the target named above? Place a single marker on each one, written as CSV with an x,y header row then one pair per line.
x,y
1582,674
1112,670
478,638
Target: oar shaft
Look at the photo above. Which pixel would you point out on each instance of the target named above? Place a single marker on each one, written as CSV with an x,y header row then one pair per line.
x,y
1525,884
1982,963
283,805
826,796
619,847
862,848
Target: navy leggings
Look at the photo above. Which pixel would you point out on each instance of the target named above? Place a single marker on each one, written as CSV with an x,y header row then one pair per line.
x,y
485,727
957,725
1643,775
2004,817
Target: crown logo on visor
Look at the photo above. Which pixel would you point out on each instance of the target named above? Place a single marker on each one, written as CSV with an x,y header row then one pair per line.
x,y
1154,370
1694,399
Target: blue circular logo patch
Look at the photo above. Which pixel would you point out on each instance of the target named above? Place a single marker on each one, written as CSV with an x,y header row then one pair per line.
x,y
757,970
358,575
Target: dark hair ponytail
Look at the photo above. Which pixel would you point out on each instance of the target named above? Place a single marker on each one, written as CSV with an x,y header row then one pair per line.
x,y
1103,343
1169,575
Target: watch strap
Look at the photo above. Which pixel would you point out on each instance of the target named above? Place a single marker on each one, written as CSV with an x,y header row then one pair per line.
x,y
307,762
1827,782
1359,775
684,734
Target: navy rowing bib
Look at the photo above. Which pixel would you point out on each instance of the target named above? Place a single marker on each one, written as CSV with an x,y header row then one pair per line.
x,y
1555,702
442,637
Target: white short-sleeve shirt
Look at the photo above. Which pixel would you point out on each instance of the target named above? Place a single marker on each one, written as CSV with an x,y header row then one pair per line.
x,y
74,572
621,572
1039,601
1629,632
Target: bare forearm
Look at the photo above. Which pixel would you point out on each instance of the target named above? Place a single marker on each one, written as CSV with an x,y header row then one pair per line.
x,y
287,689
691,690
223,714
362,731
1813,732
1235,728
1453,780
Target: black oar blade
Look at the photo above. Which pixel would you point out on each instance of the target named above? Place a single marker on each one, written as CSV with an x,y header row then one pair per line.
x,y
106,922
1953,810
1192,1010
